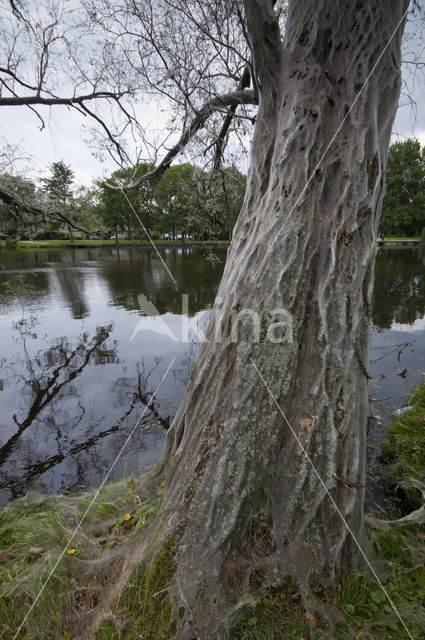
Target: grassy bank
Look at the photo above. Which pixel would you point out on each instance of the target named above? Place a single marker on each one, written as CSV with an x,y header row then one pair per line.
x,y
67,244
36,529
400,238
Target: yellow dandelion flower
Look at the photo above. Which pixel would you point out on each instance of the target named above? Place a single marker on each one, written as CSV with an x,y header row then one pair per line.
x,y
127,516
71,552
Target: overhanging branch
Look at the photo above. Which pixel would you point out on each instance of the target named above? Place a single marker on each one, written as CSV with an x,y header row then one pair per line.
x,y
226,100
16,101
37,212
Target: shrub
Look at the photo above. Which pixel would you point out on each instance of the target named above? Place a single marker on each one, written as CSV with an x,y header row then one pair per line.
x,y
10,243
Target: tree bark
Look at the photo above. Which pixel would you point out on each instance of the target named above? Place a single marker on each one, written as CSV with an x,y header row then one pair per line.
x,y
242,502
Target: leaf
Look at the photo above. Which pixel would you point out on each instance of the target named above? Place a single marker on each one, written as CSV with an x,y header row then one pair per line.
x,y
35,550
378,596
349,608
311,619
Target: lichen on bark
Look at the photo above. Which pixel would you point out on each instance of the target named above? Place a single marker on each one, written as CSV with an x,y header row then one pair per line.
x,y
305,241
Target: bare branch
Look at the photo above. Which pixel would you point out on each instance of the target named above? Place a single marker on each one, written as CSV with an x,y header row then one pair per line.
x,y
11,199
228,100
14,101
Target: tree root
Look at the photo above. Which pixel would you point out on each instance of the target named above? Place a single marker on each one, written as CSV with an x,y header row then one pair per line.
x,y
417,516
118,577
328,613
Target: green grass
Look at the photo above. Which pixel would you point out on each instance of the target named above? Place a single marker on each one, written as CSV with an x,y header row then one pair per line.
x,y
356,606
405,446
39,244
35,530
391,238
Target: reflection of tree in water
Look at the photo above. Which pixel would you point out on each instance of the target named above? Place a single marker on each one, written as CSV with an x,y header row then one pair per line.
x,y
130,394
399,293
143,272
71,283
53,424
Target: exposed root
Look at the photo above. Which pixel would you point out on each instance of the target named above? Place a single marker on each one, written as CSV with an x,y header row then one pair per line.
x,y
90,623
417,517
316,608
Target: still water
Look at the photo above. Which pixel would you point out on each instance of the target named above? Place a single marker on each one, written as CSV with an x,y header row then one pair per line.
x,y
80,359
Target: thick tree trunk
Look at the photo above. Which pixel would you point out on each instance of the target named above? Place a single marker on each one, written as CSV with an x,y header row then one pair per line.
x,y
241,500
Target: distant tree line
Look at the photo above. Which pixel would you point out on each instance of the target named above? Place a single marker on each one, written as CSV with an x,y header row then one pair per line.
x,y
185,201
403,211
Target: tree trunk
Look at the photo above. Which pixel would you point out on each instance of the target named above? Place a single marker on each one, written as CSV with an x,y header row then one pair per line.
x,y
242,503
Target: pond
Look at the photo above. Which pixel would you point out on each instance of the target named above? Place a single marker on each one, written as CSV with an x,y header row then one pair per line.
x,y
80,359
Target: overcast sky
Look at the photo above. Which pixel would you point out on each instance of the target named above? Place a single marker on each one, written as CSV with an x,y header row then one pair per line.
x,y
63,136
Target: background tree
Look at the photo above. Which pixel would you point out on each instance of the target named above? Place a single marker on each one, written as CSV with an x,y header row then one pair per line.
x,y
191,201
403,211
120,211
58,185
179,200
58,189
23,189
226,198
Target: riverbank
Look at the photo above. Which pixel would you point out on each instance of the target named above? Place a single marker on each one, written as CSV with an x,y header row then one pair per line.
x,y
401,242
79,244
100,568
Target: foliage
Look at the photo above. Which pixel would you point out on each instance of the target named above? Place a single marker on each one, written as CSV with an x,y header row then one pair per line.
x,y
10,243
24,190
58,185
180,201
184,201
119,211
403,210
405,445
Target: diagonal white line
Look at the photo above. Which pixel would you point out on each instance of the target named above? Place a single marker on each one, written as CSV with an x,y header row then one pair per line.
x,y
150,239
92,501
332,140
332,500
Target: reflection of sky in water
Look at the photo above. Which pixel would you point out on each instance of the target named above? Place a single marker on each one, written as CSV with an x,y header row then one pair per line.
x,y
80,425
418,325
73,441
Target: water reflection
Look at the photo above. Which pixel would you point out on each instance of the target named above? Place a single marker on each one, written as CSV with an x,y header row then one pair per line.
x,y
72,386
399,295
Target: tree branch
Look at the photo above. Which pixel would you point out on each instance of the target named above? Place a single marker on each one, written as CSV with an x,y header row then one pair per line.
x,y
227,100
11,199
219,143
14,101
265,42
